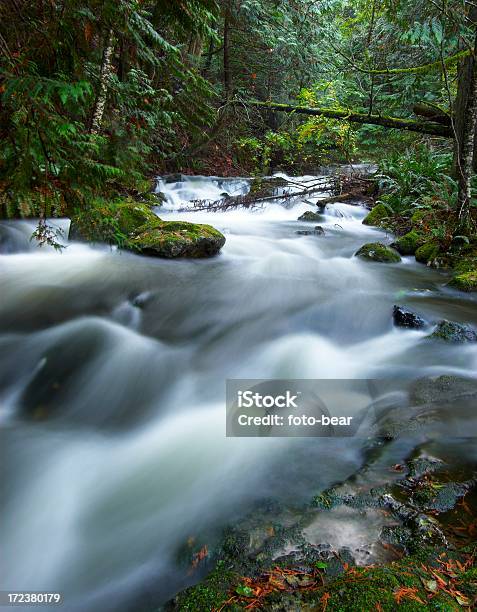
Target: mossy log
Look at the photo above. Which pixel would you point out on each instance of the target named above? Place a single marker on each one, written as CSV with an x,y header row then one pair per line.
x,y
410,125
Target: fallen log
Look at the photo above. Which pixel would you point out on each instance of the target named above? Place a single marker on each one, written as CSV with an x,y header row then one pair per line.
x,y
430,112
410,125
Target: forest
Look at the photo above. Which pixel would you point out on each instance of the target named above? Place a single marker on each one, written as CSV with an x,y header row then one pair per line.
x,y
249,195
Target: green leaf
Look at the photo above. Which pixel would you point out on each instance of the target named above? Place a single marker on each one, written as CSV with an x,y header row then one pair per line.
x,y
244,591
321,564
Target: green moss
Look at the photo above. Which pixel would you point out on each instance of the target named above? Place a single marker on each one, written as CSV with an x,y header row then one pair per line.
x,y
465,282
409,243
178,239
376,251
132,215
378,215
427,252
209,594
110,222
418,216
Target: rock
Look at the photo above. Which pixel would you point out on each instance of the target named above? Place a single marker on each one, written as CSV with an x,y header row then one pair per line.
x,y
441,389
178,239
318,231
427,252
310,216
378,215
376,251
101,221
465,282
132,225
409,243
406,318
449,331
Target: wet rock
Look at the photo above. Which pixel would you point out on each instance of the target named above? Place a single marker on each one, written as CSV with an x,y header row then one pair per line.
x,y
318,231
376,251
173,239
310,216
378,215
441,389
409,243
406,318
449,331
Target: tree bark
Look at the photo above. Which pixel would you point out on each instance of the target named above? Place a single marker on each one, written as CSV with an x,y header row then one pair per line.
x,y
434,129
105,72
226,57
466,133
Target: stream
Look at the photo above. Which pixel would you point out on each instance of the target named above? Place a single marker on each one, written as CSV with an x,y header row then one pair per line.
x,y
112,386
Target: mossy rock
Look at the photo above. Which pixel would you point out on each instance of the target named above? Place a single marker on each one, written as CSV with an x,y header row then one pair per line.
x,y
111,222
465,282
173,239
427,252
409,243
449,331
378,215
310,216
376,251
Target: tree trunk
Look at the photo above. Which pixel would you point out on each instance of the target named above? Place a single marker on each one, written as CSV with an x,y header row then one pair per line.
x,y
227,74
466,123
105,72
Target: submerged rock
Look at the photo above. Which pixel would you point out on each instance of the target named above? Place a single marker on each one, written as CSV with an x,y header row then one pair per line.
x,y
318,231
377,216
406,318
449,331
376,251
310,216
179,239
441,389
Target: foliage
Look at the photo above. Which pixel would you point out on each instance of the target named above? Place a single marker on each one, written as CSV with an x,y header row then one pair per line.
x,y
54,74
417,178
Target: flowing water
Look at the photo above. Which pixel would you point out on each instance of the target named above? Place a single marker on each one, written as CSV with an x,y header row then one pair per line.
x,y
112,376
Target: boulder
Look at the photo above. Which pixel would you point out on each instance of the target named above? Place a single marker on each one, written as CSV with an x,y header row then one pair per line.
x,y
441,389
310,216
449,331
178,239
409,243
318,231
427,252
133,226
376,251
377,215
465,282
100,222
406,318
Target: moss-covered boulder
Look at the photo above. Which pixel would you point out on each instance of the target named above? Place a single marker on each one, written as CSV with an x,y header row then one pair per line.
x,y
378,215
310,216
178,239
111,222
376,251
409,243
449,331
427,252
133,226
465,282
